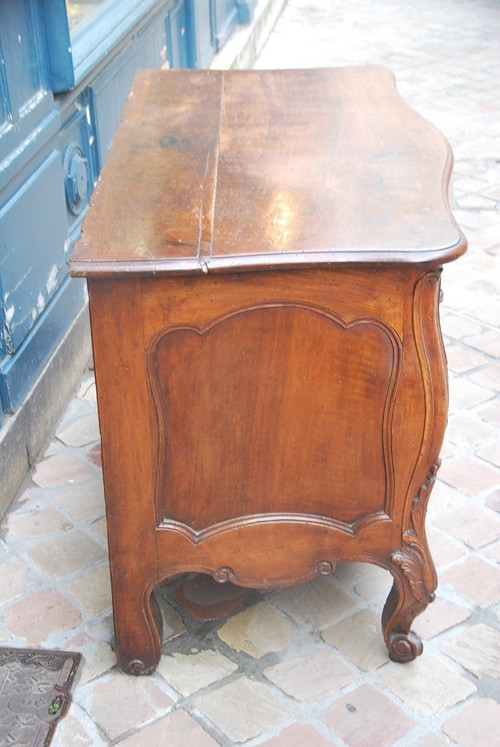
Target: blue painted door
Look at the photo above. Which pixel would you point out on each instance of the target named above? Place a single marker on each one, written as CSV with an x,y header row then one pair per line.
x,y
65,72
33,229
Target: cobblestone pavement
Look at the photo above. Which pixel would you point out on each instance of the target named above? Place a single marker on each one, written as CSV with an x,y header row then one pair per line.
x,y
307,666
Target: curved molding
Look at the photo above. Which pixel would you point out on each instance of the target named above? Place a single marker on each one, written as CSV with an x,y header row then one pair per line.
x,y
202,329
351,528
242,522
433,371
225,574
424,342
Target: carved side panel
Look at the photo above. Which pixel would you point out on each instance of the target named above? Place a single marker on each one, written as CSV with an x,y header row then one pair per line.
x,y
281,409
434,377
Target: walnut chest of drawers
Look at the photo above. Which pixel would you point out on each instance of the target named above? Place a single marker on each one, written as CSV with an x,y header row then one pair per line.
x,y
263,255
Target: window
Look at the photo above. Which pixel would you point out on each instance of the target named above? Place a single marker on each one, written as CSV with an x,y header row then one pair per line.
x,y
80,13
96,26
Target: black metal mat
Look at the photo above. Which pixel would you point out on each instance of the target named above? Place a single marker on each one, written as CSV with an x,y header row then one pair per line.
x,y
35,689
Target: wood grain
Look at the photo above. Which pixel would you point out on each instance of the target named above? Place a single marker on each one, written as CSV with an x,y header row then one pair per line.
x,y
213,170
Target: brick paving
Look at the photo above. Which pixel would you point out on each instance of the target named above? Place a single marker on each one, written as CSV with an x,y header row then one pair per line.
x,y
306,665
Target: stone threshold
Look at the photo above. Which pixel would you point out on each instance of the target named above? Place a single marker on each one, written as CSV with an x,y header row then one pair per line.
x,y
24,434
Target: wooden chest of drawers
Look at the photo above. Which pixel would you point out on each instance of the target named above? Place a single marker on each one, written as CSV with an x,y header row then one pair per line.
x,y
263,255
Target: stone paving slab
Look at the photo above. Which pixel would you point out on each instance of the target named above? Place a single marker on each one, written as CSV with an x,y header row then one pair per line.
x,y
365,717
311,677
472,727
243,709
248,674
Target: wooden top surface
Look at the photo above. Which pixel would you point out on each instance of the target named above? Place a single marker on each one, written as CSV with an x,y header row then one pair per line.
x,y
220,171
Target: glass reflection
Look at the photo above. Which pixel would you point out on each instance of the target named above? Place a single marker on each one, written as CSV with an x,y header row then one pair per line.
x,y
79,13
281,220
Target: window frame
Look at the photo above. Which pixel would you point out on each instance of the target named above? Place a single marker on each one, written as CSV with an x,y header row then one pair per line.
x,y
92,41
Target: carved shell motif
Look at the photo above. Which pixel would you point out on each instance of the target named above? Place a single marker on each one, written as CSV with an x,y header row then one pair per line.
x,y
411,563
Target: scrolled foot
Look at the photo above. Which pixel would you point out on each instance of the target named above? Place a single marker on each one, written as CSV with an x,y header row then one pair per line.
x,y
138,668
415,580
404,647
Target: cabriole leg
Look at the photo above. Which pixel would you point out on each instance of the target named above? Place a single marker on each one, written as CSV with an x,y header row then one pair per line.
x,y
409,596
138,632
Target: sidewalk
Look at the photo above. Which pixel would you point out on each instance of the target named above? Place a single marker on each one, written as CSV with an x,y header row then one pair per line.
x,y
307,665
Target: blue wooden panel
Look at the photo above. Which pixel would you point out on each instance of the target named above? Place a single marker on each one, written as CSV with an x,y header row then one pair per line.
x,y
246,10
4,93
37,46
22,52
112,87
79,134
201,15
224,19
180,41
212,23
3,328
26,101
19,372
33,248
59,58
